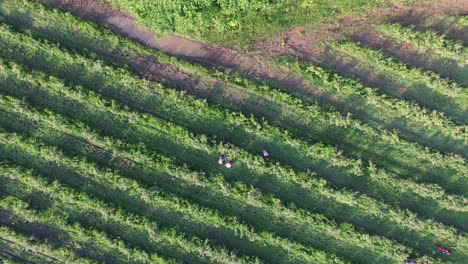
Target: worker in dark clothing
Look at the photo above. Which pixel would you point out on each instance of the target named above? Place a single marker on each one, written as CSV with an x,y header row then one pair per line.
x,y
444,250
221,159
224,142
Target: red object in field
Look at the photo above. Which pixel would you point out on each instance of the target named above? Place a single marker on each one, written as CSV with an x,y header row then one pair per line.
x,y
444,250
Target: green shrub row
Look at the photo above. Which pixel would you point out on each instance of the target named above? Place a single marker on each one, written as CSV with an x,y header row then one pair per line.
x,y
85,242
139,164
139,231
326,126
149,136
426,88
329,127
410,121
427,42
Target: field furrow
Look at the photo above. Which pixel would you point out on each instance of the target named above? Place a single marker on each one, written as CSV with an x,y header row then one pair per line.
x,y
15,246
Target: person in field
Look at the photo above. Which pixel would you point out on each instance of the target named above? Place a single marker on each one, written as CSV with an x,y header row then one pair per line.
x,y
265,153
224,142
221,159
409,261
229,164
444,250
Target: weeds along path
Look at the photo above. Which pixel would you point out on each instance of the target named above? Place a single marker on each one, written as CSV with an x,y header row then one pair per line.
x,y
344,170
207,191
236,99
307,228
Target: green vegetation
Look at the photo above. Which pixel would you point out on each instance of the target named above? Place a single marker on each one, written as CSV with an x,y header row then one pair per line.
x,y
384,112
426,88
449,57
237,22
110,149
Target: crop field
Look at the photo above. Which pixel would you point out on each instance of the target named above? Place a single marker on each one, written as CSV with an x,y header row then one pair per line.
x,y
248,131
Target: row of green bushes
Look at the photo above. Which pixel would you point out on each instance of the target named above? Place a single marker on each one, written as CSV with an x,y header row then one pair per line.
x,y
248,132
409,121
144,166
426,88
84,244
266,103
111,120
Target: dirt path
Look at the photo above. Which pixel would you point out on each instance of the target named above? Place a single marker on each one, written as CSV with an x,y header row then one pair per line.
x,y
174,45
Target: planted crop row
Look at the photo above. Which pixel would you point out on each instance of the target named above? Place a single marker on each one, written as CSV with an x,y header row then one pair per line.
x,y
138,231
426,50
318,152
299,222
161,173
427,42
318,126
410,121
46,226
83,241
149,137
426,88
169,211
32,248
240,236
130,161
